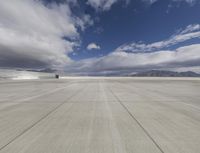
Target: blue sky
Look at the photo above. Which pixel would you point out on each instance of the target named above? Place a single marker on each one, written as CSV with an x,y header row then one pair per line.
x,y
134,22
98,37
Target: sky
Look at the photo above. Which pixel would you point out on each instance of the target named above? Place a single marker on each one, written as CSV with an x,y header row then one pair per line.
x,y
100,37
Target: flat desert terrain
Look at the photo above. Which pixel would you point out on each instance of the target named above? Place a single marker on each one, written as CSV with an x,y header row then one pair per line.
x,y
100,115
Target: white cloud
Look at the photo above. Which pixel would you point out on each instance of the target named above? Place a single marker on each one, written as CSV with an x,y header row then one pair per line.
x,y
122,62
135,57
93,46
190,32
150,1
31,34
103,5
187,1
191,28
191,2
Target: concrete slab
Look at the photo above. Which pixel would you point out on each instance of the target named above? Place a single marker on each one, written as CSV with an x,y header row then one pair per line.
x,y
94,115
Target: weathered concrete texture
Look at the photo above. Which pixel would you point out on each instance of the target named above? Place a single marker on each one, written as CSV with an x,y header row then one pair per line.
x,y
100,115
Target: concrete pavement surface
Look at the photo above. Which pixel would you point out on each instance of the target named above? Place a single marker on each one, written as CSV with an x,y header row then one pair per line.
x,y
100,115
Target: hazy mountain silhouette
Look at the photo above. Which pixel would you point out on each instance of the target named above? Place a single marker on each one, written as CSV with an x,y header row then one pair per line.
x,y
162,73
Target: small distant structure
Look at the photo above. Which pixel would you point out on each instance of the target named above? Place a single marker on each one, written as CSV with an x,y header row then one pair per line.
x,y
56,76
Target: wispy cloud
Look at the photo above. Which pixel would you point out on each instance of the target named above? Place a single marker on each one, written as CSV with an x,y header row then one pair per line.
x,y
36,35
150,1
103,5
123,62
191,2
190,32
136,57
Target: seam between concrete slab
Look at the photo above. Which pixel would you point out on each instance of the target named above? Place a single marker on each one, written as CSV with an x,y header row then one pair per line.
x,y
33,97
24,99
134,118
174,99
41,119
118,147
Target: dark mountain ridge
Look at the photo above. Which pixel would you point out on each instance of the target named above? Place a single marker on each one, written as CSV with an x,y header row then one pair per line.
x,y
162,73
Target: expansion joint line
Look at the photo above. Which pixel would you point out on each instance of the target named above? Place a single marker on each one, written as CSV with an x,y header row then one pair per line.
x,y
134,118
41,119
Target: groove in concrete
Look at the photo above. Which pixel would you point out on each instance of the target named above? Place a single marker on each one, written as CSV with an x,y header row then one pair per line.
x,y
134,118
41,119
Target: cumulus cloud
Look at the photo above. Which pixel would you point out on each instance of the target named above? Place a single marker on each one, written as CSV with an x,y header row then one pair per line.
x,y
137,57
31,33
123,62
93,46
34,35
190,32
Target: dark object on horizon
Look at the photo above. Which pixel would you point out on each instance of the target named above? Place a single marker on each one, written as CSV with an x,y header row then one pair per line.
x,y
57,76
162,73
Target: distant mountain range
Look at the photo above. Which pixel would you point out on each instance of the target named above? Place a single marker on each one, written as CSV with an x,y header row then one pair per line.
x,y
162,73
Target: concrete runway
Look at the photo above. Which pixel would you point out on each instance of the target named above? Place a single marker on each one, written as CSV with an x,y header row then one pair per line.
x,y
100,115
